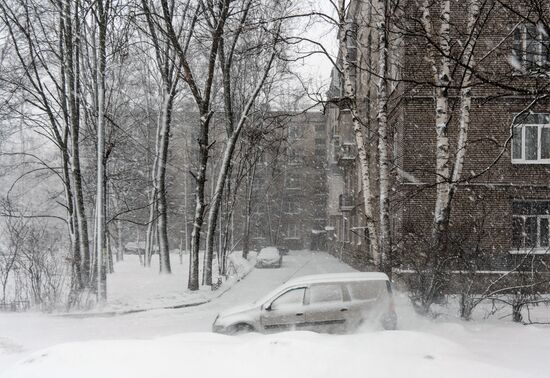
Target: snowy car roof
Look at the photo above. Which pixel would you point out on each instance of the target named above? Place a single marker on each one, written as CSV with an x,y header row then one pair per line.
x,y
326,277
338,277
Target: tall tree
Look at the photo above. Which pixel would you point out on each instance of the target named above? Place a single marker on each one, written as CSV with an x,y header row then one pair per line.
x,y
40,47
101,13
345,36
382,118
211,16
234,129
166,65
448,171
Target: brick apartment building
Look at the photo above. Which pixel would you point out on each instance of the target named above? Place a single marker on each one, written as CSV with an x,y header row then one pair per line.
x,y
289,190
501,210
288,184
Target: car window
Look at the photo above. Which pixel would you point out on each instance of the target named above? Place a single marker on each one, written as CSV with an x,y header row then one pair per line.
x,y
365,290
325,293
292,297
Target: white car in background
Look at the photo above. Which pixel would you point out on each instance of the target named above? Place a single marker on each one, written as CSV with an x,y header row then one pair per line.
x,y
269,257
333,303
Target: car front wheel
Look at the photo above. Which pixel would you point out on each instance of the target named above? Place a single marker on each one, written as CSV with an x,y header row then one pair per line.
x,y
241,328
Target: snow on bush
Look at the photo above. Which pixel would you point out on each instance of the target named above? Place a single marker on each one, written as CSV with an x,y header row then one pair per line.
x,y
237,267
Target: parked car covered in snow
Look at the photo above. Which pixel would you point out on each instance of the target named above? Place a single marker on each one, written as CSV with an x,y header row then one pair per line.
x,y
269,257
333,303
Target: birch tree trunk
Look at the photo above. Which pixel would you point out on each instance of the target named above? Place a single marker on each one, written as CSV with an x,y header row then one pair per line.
x,y
100,196
441,219
465,95
382,98
350,95
448,172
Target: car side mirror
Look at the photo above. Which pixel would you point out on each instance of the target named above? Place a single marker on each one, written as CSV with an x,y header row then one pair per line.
x,y
267,307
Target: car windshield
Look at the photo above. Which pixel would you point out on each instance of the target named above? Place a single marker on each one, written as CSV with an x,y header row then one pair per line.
x,y
268,296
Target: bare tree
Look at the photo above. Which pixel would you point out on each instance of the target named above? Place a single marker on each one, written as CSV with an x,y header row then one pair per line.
x,y
234,130
41,51
101,13
166,63
211,16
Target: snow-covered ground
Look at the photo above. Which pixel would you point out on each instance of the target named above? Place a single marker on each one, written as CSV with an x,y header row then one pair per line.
x,y
177,342
134,288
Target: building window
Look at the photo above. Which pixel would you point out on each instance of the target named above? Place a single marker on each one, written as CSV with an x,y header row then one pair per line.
x,y
294,132
259,231
531,139
292,231
294,157
259,182
345,230
531,47
530,225
291,206
352,46
320,128
292,180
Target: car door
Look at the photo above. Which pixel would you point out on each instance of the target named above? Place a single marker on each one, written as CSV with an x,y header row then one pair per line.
x,y
285,312
326,310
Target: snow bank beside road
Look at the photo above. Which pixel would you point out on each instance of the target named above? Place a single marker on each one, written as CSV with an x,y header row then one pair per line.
x,y
294,354
134,288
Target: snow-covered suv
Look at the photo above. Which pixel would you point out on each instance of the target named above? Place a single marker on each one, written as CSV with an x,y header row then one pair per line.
x,y
334,303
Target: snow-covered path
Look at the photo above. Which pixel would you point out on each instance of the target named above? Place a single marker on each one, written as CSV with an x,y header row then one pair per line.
x,y
166,343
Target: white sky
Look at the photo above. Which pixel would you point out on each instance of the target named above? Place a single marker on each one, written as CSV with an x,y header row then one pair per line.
x,y
316,68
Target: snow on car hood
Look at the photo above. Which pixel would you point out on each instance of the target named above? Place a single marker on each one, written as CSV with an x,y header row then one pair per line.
x,y
238,310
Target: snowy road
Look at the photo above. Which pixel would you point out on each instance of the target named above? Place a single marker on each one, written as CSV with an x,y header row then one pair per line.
x,y
162,342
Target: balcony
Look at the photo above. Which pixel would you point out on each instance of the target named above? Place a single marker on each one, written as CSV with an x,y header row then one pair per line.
x,y
347,153
346,202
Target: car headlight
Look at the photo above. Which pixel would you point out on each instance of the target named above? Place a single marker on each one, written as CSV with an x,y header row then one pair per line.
x,y
216,327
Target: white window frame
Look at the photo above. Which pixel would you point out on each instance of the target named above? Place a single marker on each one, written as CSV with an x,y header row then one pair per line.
x,y
523,128
292,231
541,61
293,181
537,249
289,209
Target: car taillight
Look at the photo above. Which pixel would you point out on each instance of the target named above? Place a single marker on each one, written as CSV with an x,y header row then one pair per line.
x,y
391,306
